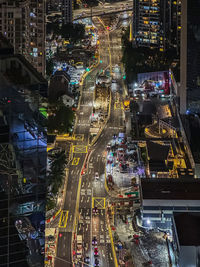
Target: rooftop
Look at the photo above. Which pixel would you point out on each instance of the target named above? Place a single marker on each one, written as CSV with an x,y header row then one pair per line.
x,y
157,152
174,189
61,73
191,222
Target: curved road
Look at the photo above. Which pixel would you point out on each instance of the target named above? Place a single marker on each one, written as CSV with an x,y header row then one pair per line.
x,y
90,225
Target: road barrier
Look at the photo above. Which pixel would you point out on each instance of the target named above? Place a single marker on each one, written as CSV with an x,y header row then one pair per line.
x,y
105,183
79,190
112,242
53,217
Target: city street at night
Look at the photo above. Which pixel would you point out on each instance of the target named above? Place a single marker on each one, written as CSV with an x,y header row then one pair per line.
x,y
99,133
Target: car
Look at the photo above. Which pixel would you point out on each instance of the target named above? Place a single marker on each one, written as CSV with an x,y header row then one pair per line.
x,y
96,176
96,262
94,241
95,210
87,259
96,252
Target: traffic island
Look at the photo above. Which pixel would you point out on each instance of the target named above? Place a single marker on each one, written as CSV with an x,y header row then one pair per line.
x,y
102,116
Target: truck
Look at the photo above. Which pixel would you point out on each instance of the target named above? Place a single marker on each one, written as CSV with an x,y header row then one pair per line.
x,y
79,252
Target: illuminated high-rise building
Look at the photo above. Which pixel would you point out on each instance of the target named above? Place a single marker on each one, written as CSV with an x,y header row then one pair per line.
x,y
155,24
67,11
22,22
146,23
190,57
14,24
37,35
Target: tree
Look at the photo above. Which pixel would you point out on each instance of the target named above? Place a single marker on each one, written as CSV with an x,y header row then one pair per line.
x,y
144,59
61,120
53,28
50,203
73,32
56,174
49,67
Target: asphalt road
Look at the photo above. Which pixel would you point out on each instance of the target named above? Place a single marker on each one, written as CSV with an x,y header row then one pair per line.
x,y
90,225
103,9
92,190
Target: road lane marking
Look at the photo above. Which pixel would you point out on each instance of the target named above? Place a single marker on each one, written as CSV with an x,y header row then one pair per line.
x,y
80,149
99,202
63,218
78,137
75,161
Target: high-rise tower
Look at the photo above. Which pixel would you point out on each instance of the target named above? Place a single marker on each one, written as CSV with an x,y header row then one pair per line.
x,y
67,11
22,22
190,56
37,35
14,24
155,24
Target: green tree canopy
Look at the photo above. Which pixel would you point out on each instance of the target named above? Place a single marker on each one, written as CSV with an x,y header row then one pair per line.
x,y
73,32
53,27
144,59
61,120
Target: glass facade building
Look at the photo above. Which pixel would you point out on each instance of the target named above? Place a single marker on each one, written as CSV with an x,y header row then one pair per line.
x,y
22,161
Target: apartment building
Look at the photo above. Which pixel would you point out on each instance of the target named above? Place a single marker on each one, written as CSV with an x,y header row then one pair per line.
x,y
67,11
156,24
22,22
14,24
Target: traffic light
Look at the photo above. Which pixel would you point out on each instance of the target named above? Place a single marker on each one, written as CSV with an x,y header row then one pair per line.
x,y
124,77
108,28
101,61
87,69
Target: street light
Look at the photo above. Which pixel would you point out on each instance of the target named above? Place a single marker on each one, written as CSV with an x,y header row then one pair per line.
x,y
148,221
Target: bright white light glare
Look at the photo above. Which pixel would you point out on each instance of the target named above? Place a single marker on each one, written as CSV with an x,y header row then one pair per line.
x,y
148,221
135,84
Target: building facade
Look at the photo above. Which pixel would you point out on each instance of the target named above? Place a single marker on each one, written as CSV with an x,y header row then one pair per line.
x,y
67,11
190,57
22,161
155,24
22,22
186,244
14,24
161,197
37,35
